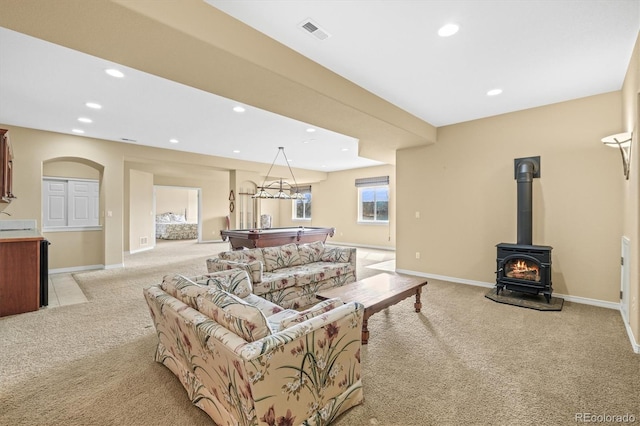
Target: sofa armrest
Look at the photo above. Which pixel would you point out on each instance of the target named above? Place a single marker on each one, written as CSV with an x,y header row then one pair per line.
x,y
349,313
353,256
310,371
340,254
254,268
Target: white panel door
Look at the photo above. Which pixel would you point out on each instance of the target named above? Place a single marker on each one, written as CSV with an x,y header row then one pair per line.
x,y
94,209
624,280
82,203
55,203
78,203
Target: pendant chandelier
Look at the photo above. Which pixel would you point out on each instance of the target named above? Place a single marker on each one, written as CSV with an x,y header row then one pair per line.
x,y
279,189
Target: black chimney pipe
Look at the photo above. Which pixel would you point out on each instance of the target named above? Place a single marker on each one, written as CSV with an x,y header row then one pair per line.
x,y
526,169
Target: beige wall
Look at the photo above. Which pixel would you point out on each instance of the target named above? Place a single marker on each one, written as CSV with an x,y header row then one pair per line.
x,y
631,188
335,204
141,220
32,148
464,188
178,200
69,249
69,169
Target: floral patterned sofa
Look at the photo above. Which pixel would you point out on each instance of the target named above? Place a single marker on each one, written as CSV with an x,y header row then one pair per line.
x,y
246,361
292,274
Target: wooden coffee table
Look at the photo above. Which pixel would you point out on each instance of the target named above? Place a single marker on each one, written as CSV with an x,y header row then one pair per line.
x,y
377,293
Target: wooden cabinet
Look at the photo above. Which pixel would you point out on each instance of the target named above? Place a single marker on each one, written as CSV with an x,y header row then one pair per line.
x,y
6,166
19,275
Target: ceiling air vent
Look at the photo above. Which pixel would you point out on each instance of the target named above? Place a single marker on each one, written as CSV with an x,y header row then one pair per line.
x,y
314,29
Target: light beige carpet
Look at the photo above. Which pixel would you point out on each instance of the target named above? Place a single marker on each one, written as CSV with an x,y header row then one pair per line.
x,y
463,360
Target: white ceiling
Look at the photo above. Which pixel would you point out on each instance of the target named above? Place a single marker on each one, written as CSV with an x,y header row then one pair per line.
x,y
537,52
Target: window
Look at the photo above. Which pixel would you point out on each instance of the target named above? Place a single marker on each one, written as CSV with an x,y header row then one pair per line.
x,y
373,199
302,208
70,203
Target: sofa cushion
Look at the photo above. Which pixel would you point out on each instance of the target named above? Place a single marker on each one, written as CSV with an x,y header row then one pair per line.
x,y
244,256
234,281
281,257
314,311
183,289
311,252
268,308
277,280
335,254
234,314
320,271
276,319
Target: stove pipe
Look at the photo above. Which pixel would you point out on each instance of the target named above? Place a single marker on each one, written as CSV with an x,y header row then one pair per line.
x,y
526,169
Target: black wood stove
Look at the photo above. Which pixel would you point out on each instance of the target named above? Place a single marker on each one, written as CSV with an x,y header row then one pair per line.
x,y
524,267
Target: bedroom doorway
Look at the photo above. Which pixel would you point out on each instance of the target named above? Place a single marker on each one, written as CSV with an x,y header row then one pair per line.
x,y
177,213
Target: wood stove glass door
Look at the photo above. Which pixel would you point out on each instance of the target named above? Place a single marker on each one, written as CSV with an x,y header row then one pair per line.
x,y
521,267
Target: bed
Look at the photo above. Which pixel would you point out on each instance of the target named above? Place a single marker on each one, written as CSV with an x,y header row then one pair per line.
x,y
172,226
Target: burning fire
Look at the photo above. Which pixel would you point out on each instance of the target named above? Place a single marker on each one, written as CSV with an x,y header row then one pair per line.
x,y
524,270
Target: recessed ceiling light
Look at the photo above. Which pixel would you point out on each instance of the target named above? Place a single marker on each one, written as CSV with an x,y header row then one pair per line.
x,y
77,131
448,30
494,92
174,140
238,109
345,149
85,120
236,151
114,73
93,105
311,130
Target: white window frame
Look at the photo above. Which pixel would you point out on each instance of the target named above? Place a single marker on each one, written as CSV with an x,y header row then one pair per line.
x,y
72,191
294,205
374,221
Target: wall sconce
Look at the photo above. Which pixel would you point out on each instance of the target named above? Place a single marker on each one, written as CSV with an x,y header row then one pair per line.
x,y
622,141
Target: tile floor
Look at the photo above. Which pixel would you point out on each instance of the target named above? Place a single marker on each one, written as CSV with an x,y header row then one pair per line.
x,y
63,290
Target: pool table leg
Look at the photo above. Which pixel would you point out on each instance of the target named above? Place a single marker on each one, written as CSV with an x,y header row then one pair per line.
x,y
418,304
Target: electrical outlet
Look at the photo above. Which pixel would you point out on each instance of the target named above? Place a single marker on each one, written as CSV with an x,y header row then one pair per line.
x,y
417,255
417,215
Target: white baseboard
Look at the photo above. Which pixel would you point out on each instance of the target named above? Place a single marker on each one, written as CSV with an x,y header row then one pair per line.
x,y
587,301
332,243
75,269
445,278
575,299
141,250
115,266
635,346
211,241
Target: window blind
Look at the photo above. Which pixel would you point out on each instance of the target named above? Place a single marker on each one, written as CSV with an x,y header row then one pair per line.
x,y
373,181
301,189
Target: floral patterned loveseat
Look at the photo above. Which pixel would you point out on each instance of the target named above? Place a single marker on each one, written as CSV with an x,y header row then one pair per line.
x,y
290,275
246,361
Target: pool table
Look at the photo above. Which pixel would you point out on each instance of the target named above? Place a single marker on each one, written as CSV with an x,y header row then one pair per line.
x,y
252,238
